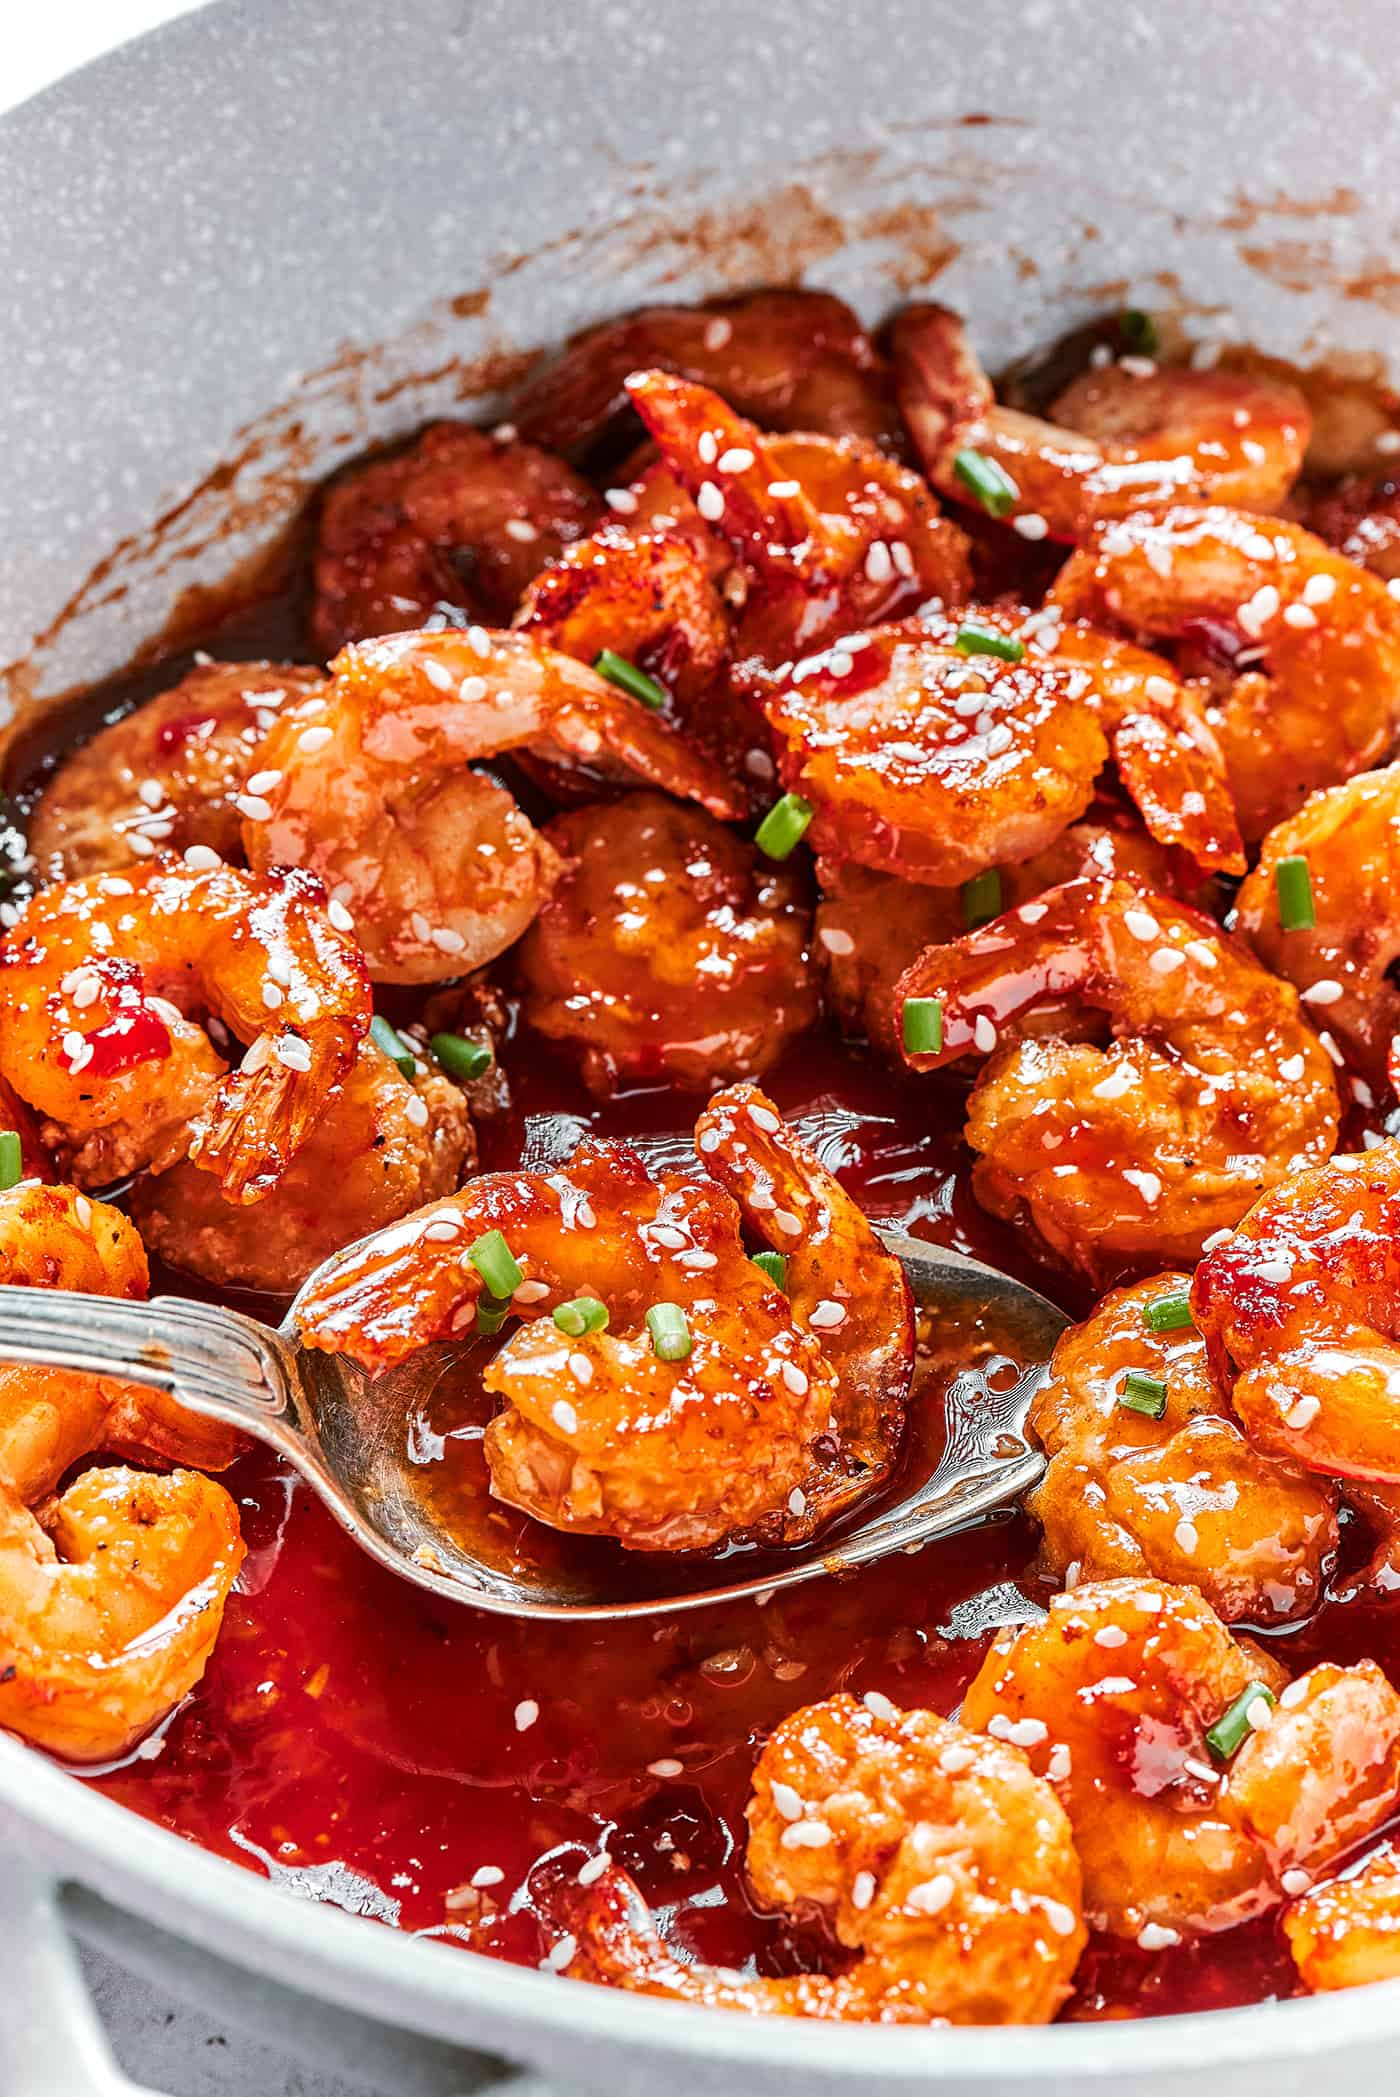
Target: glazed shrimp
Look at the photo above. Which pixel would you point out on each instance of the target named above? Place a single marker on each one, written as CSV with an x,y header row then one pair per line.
x,y
1112,1696
935,1856
166,777
1130,437
1346,1933
1324,699
377,796
462,519
1212,1087
1350,837
1184,1497
793,360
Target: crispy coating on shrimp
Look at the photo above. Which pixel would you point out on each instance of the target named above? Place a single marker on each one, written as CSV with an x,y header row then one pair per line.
x,y
1346,1933
1211,1089
936,1857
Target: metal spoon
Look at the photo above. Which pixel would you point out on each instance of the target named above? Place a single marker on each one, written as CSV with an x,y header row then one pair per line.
x,y
346,1434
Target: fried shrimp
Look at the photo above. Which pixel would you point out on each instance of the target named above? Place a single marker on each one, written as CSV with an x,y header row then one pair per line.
x,y
462,519
1346,1933
1150,1475
1211,1089
936,1857
1130,437
670,949
111,1594
1315,638
376,793
98,985
793,360
165,778
1118,1698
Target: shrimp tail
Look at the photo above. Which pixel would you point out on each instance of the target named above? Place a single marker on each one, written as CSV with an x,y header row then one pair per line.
x,y
942,388
260,1115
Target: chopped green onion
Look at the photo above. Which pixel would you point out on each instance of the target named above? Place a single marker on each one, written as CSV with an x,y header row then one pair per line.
x,y
670,1335
393,1045
1168,1313
1143,1394
1295,897
774,1266
459,1057
990,483
619,671
923,1026
1138,332
11,1159
491,1313
784,826
976,639
580,1315
981,897
496,1264
1233,1727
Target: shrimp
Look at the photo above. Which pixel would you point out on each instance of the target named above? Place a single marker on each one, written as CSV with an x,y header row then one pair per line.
x,y
96,985
1126,438
385,1142
1183,1497
1212,1088
377,795
461,519
605,1435
1350,837
1319,694
935,1856
793,360
166,777
1301,1311
670,950
1361,518
1113,1696
110,1595
1346,1933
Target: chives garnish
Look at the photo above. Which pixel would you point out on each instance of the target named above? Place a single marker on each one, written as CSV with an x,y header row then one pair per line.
x,y
670,1335
11,1160
496,1264
774,1266
1167,1313
972,638
981,897
1232,1728
1143,1394
784,826
490,1314
459,1057
580,1315
1137,331
990,483
393,1045
923,1026
619,671
1295,897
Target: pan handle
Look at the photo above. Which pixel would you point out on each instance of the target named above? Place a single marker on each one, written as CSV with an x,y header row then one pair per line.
x,y
52,2043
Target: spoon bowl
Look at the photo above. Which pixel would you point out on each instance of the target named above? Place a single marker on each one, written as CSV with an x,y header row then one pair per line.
x,y
345,1433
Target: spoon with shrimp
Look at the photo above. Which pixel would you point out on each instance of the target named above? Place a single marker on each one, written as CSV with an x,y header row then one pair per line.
x,y
345,1434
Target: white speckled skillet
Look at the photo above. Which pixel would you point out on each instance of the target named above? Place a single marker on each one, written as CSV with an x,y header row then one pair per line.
x,y
243,208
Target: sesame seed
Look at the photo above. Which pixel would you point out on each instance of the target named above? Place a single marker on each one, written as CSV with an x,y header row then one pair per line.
x,y
580,1368
293,1053
1302,1414
559,1955
530,1292
338,914
1031,525
878,565
1203,954
314,738
782,490
592,1871
264,782
1166,961
472,690
1319,589
737,459
1299,615
879,1705
1295,1882
1019,1732
836,941
1141,924
797,1501
933,1896
707,446
667,1766
1325,992
862,1890
1110,1636
438,675
446,940
442,1228
710,502
415,1111
488,1875
826,1315
984,1034
1115,1084
789,1803
717,333
564,1416
1187,1536
521,530
271,996
806,1834
250,805
622,500
1155,1936
526,1712
479,641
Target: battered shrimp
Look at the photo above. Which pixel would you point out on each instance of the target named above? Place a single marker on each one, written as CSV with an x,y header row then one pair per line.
x,y
166,777
1317,641
1182,1497
110,1595
461,519
386,1143
97,985
670,951
1350,837
377,795
1130,437
1112,1696
935,1856
1301,1311
794,360
1212,1088
1346,1933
